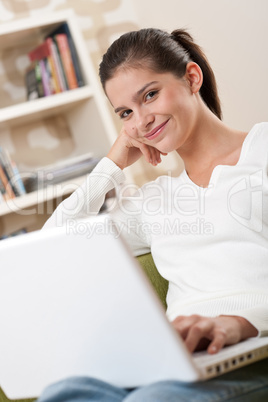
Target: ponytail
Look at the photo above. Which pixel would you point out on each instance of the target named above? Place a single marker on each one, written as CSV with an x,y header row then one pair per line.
x,y
208,90
161,52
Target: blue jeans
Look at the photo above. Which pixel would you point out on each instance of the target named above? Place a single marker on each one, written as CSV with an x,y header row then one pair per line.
x,y
247,384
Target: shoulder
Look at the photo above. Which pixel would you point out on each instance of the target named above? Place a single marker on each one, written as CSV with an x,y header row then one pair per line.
x,y
257,137
259,128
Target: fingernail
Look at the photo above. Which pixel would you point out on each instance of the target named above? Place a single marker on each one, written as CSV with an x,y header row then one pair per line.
x,y
213,349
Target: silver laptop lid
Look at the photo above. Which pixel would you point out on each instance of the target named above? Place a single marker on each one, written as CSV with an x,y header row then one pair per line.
x,y
75,302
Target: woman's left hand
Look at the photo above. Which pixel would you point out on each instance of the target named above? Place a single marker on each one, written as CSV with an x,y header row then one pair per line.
x,y
213,333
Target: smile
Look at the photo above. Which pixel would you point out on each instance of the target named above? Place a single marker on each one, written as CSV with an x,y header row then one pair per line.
x,y
156,131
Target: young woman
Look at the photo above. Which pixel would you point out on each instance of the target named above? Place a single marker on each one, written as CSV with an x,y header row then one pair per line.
x,y
207,228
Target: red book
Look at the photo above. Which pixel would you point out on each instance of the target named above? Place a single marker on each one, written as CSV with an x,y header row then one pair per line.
x,y
65,53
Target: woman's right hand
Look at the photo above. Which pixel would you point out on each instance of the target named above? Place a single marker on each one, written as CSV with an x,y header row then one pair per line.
x,y
127,150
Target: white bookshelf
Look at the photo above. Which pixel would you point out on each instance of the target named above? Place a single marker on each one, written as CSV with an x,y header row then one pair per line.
x,y
43,107
35,198
84,109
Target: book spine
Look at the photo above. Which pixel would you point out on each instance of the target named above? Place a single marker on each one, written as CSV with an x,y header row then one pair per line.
x,y
31,83
77,67
51,77
14,185
53,65
6,180
43,52
6,189
61,68
17,180
45,78
58,65
67,62
64,29
38,77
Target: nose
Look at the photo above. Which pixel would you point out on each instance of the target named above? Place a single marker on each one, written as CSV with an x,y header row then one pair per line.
x,y
144,120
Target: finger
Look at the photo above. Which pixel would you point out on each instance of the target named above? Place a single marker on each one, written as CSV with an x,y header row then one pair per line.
x,y
145,150
218,341
155,155
201,329
182,324
151,154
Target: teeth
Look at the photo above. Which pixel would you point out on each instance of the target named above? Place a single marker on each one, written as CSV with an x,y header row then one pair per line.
x,y
148,136
154,132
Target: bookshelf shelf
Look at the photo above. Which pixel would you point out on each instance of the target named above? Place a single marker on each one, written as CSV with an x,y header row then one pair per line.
x,y
84,111
37,198
43,107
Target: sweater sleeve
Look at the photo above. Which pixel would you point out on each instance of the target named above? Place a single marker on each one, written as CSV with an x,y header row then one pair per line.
x,y
87,200
89,197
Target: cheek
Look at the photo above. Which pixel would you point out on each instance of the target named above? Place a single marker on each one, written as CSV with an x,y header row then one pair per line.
x,y
130,129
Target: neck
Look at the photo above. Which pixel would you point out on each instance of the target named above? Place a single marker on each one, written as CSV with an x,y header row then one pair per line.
x,y
210,143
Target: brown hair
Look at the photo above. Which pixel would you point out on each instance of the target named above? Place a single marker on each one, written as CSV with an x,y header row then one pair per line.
x,y
161,52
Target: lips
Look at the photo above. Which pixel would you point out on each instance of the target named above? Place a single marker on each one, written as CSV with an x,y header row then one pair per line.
x,y
156,131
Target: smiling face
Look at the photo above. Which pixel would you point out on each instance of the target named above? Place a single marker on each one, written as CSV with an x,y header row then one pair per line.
x,y
158,109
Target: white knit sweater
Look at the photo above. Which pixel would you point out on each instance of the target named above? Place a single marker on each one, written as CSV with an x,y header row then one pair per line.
x,y
211,244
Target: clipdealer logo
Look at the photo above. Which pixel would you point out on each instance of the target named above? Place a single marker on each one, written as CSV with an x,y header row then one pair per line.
x,y
252,187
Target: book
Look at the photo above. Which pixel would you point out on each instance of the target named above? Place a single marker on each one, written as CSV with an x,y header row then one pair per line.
x,y
66,57
12,174
49,76
6,166
33,82
60,68
7,190
38,76
44,52
64,29
56,66
60,172
16,179
45,77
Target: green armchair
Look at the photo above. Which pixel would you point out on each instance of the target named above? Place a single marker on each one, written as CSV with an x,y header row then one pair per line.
x,y
160,285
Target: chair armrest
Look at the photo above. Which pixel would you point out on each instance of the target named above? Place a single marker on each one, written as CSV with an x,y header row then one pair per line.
x,y
159,283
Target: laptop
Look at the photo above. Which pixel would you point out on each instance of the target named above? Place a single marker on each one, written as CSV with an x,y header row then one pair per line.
x,y
74,302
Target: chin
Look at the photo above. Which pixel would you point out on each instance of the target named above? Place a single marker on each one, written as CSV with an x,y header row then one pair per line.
x,y
165,148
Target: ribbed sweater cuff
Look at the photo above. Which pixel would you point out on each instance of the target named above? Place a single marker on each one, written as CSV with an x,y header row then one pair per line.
x,y
108,175
107,166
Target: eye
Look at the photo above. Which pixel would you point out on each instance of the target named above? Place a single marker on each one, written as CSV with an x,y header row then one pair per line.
x,y
125,114
151,95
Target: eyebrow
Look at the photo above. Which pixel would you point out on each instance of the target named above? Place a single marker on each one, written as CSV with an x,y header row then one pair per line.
x,y
136,95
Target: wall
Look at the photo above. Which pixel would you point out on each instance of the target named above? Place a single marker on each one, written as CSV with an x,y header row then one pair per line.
x,y
233,34
36,144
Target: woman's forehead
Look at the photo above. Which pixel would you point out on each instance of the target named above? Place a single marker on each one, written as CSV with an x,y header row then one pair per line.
x,y
130,81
